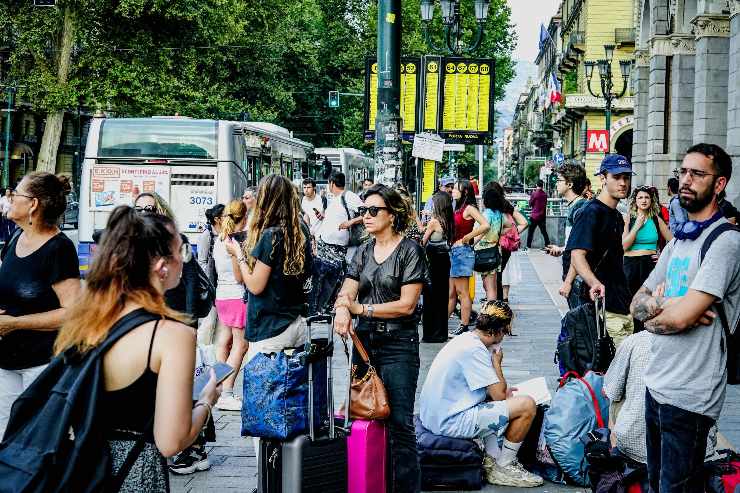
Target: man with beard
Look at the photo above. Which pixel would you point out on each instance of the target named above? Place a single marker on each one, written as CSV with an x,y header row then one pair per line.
x,y
595,246
685,375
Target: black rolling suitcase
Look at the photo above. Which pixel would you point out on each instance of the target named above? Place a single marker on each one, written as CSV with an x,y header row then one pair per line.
x,y
316,462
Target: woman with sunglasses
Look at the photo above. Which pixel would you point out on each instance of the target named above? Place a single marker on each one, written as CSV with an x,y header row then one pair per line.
x,y
39,281
645,232
382,288
462,256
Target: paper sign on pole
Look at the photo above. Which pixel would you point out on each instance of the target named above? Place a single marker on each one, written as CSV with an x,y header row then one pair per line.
x,y
428,146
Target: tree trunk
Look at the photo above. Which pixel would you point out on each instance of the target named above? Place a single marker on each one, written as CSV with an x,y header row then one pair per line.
x,y
55,119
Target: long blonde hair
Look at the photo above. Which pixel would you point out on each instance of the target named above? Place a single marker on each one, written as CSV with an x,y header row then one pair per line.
x,y
278,206
160,204
233,214
120,273
654,210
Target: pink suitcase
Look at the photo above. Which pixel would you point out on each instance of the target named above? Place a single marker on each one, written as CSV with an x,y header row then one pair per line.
x,y
367,457
367,448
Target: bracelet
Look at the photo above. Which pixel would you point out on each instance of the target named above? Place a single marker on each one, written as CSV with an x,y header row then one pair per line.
x,y
241,260
209,410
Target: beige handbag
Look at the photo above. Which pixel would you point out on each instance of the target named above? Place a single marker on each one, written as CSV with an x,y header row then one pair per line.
x,y
368,397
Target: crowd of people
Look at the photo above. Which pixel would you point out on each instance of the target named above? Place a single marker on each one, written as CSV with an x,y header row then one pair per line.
x,y
367,257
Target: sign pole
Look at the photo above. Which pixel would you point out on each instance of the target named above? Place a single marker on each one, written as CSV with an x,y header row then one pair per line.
x,y
481,150
388,141
10,92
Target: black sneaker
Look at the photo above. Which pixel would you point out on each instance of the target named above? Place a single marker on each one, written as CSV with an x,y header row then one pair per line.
x,y
459,330
190,460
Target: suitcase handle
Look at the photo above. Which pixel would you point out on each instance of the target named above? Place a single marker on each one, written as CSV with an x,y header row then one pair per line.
x,y
329,380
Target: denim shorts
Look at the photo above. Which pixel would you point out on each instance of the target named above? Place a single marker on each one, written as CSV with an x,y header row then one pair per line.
x,y
462,259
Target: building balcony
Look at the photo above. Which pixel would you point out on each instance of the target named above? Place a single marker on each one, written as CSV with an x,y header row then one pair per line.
x,y
583,102
625,37
577,41
572,51
571,17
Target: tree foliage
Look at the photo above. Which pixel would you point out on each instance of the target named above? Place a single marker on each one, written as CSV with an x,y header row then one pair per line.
x,y
276,60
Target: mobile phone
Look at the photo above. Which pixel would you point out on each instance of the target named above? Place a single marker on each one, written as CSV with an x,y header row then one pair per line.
x,y
222,372
316,211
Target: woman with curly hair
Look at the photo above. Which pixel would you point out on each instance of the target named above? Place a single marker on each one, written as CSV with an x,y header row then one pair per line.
x,y
644,232
273,263
382,288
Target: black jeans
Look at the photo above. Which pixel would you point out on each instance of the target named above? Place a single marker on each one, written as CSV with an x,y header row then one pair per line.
x,y
534,224
676,445
436,294
395,356
637,270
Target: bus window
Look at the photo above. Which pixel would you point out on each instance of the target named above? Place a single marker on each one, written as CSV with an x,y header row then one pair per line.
x,y
152,138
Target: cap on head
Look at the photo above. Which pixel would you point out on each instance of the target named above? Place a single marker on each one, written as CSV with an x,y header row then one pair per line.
x,y
616,164
446,182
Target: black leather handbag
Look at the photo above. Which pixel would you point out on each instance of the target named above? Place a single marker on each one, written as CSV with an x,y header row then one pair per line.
x,y
487,259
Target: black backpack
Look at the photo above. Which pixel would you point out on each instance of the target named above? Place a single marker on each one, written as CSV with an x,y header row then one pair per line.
x,y
55,436
583,343
206,293
731,339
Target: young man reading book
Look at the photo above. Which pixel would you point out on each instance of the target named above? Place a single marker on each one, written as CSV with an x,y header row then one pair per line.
x,y
465,395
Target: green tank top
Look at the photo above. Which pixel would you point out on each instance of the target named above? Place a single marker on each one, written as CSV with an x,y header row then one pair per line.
x,y
647,236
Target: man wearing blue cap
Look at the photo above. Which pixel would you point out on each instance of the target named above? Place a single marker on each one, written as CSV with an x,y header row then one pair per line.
x,y
595,246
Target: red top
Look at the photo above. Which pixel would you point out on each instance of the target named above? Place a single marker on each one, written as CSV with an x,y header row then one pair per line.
x,y
462,226
538,201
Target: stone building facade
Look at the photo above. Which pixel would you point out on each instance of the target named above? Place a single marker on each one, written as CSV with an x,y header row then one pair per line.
x,y
687,84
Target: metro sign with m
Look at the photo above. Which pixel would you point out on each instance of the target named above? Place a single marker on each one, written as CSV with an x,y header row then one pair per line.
x,y
597,141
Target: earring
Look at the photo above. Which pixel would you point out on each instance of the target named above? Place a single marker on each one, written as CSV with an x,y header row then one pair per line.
x,y
163,273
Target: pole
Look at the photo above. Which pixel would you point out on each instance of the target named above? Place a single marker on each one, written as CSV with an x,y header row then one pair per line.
x,y
10,93
608,124
388,127
481,150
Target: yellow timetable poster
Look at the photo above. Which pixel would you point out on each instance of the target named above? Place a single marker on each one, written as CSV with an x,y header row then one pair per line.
x,y
428,180
431,94
409,91
467,91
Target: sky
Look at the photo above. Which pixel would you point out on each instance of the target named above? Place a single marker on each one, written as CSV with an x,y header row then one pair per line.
x,y
527,15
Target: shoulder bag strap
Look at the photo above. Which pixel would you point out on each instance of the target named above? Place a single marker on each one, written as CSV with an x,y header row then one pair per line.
x,y
597,409
16,234
344,204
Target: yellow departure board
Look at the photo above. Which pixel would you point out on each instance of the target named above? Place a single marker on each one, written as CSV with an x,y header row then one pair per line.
x,y
428,180
431,93
409,94
467,96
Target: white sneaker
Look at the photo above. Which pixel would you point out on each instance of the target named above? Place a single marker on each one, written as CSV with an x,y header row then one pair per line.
x,y
512,475
229,403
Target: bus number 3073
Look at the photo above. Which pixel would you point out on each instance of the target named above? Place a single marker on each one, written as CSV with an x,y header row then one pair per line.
x,y
201,200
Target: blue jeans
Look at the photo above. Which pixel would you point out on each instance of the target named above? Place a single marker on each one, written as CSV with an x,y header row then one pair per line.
x,y
395,356
676,445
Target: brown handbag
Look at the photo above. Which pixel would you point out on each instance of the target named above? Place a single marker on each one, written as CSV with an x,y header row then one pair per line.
x,y
368,397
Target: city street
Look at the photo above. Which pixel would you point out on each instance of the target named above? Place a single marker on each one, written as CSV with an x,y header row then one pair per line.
x,y
528,354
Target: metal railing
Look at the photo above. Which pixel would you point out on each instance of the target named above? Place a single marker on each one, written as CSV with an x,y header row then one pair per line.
x,y
625,36
578,38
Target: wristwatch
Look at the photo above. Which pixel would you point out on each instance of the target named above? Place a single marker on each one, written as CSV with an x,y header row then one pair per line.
x,y
370,310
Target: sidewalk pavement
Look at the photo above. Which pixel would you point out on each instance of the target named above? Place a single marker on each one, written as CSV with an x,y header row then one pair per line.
x,y
528,354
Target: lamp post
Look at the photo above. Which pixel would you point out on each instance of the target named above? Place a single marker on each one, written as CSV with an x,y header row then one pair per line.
x,y
607,84
452,21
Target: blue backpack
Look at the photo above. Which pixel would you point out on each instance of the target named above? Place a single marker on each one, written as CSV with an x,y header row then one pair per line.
x,y
578,407
55,436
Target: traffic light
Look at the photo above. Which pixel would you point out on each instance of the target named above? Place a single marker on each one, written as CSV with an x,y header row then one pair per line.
x,y
333,99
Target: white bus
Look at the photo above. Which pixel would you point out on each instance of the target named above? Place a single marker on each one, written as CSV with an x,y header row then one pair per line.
x,y
355,165
192,164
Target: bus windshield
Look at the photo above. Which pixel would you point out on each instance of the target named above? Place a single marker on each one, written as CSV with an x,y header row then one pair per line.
x,y
153,138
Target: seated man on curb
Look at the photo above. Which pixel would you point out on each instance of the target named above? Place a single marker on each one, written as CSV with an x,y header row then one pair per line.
x,y
465,395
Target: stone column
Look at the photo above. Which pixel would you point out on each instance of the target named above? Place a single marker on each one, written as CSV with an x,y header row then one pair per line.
x,y
682,97
640,81
733,100
656,117
711,77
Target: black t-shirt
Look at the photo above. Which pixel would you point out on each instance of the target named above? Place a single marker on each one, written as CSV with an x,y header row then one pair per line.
x,y
25,289
284,299
381,283
598,229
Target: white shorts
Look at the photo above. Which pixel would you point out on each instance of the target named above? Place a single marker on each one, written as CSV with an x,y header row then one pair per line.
x,y
493,418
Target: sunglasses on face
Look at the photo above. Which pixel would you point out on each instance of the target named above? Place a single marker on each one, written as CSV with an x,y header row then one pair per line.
x,y
373,210
146,208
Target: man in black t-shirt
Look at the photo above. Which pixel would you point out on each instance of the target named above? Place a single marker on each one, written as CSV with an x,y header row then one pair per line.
x,y
595,244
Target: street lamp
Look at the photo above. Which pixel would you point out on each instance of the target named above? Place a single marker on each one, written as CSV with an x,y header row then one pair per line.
x,y
452,21
607,83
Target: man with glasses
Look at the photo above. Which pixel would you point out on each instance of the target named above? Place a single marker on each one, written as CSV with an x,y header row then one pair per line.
x,y
595,246
682,303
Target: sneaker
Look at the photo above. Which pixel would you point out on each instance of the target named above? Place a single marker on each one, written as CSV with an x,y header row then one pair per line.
x,y
512,475
488,464
190,460
456,332
229,403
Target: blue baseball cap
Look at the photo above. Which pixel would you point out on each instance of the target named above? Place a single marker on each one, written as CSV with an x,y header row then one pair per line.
x,y
615,164
447,181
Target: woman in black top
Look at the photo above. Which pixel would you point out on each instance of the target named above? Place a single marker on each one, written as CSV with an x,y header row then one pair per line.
x,y
382,288
39,280
436,241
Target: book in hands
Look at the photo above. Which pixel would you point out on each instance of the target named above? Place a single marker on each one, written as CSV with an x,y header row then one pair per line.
x,y
536,388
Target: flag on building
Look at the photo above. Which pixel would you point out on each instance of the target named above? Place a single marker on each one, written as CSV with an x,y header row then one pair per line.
x,y
544,37
556,95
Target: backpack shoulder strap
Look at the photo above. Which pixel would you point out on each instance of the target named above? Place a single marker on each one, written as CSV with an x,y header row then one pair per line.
x,y
12,240
324,201
344,204
125,325
713,235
